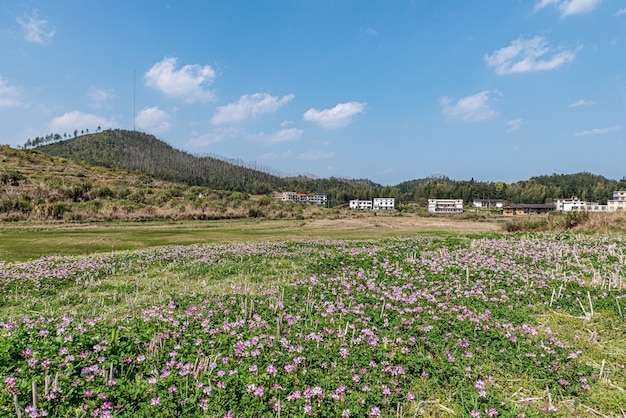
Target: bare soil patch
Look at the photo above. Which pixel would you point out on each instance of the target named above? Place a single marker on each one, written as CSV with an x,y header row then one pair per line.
x,y
406,224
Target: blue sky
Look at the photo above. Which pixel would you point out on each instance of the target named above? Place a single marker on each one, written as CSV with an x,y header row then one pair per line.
x,y
495,90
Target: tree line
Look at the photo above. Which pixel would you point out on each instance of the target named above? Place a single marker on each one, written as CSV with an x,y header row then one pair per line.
x,y
54,137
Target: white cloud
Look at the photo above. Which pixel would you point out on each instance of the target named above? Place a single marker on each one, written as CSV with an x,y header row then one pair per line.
x,y
316,155
71,121
526,55
514,125
336,117
276,156
544,3
153,120
621,12
470,108
100,97
218,135
569,7
188,83
582,102
249,106
572,7
9,95
599,131
369,31
35,29
284,135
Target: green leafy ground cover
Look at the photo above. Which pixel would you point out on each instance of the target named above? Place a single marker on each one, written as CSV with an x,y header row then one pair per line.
x,y
499,325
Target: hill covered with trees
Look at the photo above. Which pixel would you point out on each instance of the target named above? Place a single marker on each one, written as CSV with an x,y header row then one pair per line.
x,y
137,151
541,189
143,153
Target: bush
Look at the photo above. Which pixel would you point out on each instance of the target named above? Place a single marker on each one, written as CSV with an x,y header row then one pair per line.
x,y
255,213
514,225
535,224
136,197
54,210
102,192
176,191
573,219
22,205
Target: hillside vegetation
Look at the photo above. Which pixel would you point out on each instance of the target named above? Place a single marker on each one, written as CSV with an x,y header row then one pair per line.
x,y
540,189
136,151
35,186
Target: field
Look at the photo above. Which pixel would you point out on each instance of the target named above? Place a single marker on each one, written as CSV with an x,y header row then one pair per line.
x,y
20,241
374,317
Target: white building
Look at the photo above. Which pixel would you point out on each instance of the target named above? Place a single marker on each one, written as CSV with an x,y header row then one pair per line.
x,y
618,202
488,203
384,203
289,197
317,198
361,204
445,205
565,204
595,207
574,204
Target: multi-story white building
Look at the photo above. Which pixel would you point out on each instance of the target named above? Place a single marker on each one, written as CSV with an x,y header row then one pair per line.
x,y
384,203
618,202
361,204
488,203
445,205
289,197
317,198
565,204
574,204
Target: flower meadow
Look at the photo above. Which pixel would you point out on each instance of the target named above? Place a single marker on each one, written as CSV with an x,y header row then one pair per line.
x,y
476,326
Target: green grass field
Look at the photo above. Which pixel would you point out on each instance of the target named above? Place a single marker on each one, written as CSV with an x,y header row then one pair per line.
x,y
19,242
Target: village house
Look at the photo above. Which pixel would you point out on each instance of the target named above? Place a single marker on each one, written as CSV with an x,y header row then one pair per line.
x,y
574,204
618,202
361,204
527,209
384,203
445,205
488,203
316,198
379,203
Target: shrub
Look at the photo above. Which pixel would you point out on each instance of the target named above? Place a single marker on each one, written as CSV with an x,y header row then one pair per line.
x,y
573,219
54,210
514,225
255,213
176,191
136,197
265,201
102,192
